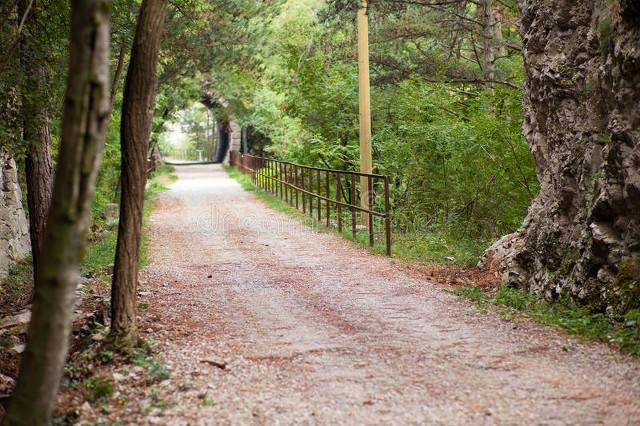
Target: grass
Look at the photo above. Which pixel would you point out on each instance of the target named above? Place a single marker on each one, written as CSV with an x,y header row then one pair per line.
x,y
433,247
15,288
143,357
98,388
576,320
17,280
100,253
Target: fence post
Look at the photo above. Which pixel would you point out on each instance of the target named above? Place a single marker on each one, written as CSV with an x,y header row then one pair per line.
x,y
328,194
310,191
339,198
282,195
370,200
319,199
387,217
302,187
286,186
353,203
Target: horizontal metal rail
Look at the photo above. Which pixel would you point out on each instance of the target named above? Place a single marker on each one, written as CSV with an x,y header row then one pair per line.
x,y
307,188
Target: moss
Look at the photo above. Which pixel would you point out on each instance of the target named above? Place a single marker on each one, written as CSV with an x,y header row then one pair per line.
x,y
605,28
98,388
625,294
563,271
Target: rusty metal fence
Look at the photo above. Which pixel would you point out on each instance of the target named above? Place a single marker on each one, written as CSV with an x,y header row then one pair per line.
x,y
325,194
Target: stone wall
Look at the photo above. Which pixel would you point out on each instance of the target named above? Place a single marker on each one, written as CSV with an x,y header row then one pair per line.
x,y
235,139
14,228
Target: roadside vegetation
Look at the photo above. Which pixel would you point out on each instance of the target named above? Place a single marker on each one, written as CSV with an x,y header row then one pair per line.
x,y
16,288
427,249
447,124
623,333
81,382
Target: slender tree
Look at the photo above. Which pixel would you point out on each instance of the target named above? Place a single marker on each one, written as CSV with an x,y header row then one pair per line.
x,y
83,132
137,112
36,134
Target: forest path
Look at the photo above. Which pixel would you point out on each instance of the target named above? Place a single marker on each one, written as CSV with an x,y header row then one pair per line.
x,y
316,330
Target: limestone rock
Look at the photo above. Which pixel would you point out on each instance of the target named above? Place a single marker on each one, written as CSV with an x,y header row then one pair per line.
x,y
581,238
14,227
20,320
6,385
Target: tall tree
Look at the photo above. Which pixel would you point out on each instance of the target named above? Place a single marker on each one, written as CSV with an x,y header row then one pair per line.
x,y
36,132
84,126
582,121
137,112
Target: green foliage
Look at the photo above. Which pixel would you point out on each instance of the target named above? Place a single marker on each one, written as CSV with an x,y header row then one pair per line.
x,y
100,253
98,388
18,279
106,357
144,358
108,183
424,247
576,320
454,150
438,247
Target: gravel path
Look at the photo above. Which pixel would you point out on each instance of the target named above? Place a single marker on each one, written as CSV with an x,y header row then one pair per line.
x,y
315,330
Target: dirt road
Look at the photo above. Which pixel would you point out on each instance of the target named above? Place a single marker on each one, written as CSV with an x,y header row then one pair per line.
x,y
315,330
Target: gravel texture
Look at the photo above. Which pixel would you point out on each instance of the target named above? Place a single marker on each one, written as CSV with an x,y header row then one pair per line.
x,y
315,330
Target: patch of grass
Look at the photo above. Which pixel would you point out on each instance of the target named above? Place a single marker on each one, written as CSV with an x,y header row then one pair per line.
x,y
430,247
106,357
207,401
160,178
18,280
99,388
101,252
473,293
576,320
142,357
438,247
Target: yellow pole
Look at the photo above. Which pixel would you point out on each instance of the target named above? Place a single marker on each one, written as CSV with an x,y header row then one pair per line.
x,y
366,162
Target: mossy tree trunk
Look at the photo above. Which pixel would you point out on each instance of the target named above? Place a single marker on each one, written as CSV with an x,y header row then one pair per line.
x,y
581,239
137,112
84,126
36,133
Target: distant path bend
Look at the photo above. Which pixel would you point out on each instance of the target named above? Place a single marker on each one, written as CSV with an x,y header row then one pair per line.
x,y
316,330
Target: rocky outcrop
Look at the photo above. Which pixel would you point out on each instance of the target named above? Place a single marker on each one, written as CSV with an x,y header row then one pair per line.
x,y
581,239
14,228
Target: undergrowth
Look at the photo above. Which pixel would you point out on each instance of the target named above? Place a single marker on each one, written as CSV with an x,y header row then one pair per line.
x,y
101,252
16,287
576,320
431,247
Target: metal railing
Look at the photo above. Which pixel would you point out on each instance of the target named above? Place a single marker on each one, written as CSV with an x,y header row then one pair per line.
x,y
315,190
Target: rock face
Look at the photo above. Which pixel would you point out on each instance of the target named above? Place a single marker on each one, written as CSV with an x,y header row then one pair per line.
x,y
581,239
14,228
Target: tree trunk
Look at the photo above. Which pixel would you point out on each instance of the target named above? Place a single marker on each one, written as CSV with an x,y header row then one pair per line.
x,y
137,112
39,173
36,135
83,131
581,238
488,33
223,140
118,73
